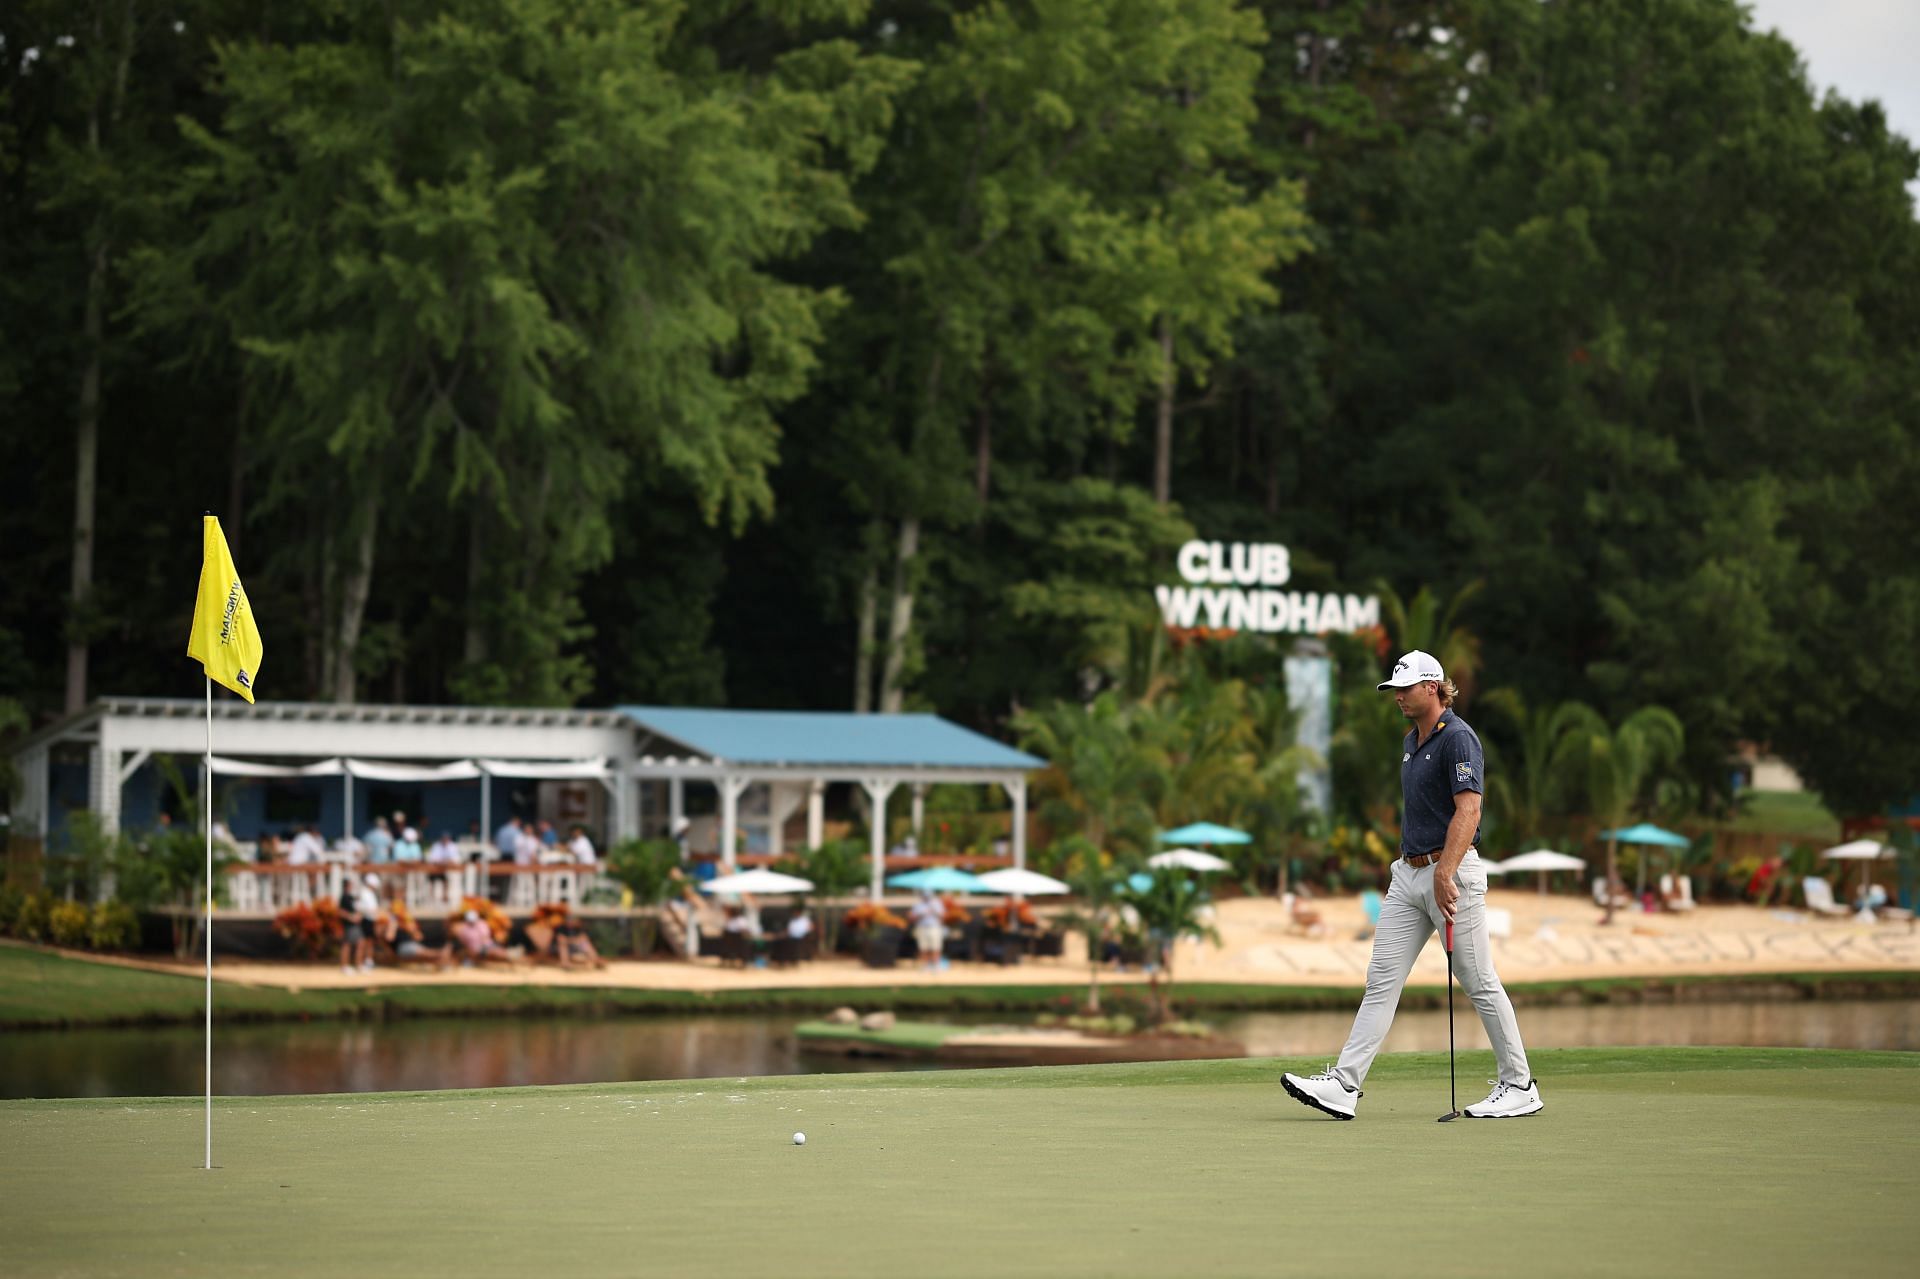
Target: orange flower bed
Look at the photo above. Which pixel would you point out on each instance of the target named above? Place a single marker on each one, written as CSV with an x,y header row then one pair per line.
x,y
496,919
999,916
312,927
551,914
398,911
872,915
952,912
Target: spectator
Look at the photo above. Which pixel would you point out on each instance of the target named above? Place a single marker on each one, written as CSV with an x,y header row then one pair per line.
x,y
306,848
800,926
369,904
507,839
678,832
929,929
407,847
570,942
547,834
581,847
526,848
444,851
221,835
379,842
355,925
476,941
399,822
1767,879
350,848
271,850
405,938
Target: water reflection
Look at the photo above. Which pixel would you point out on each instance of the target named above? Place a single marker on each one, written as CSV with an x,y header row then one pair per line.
x,y
480,1053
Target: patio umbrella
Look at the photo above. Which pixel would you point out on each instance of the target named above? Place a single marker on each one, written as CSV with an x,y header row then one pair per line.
x,y
1541,860
938,879
1022,883
1140,881
757,881
1189,859
1646,833
1205,833
1864,851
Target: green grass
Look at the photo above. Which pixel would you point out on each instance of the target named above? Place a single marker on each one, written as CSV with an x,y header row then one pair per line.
x,y
44,991
1702,1162
921,1035
1788,814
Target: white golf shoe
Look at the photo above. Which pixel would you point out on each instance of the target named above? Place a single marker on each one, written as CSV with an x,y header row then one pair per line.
x,y
1324,1092
1507,1101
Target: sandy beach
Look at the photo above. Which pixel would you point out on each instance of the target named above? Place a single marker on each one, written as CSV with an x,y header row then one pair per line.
x,y
1550,938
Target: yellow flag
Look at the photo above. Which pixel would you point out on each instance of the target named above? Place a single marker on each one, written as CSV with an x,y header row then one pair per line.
x,y
224,638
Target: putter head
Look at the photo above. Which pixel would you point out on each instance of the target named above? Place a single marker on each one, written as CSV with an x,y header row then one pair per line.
x,y
1451,1114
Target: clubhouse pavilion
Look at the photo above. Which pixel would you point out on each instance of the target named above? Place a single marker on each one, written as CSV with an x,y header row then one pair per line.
x,y
620,772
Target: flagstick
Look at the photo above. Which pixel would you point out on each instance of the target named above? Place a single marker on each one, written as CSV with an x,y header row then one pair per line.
x,y
207,821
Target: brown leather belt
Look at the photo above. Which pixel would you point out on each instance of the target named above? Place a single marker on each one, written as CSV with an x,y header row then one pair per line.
x,y
1428,859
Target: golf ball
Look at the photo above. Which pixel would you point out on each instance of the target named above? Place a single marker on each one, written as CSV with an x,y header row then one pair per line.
x,y
799,1139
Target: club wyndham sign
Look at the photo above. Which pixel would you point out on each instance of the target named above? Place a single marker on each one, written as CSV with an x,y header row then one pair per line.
x,y
1231,586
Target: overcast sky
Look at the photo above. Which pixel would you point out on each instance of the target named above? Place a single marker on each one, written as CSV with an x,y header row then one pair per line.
x,y
1862,48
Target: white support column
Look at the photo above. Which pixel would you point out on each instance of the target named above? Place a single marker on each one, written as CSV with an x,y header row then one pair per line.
x,y
632,804
676,804
919,813
1017,791
730,791
103,785
878,788
346,819
816,813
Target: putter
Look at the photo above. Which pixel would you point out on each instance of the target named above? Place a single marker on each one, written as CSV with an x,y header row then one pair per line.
x,y
1453,1097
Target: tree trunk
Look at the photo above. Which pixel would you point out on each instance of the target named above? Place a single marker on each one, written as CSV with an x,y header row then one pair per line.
x,y
1093,975
87,426
864,641
983,453
1607,889
473,648
1163,419
355,586
900,620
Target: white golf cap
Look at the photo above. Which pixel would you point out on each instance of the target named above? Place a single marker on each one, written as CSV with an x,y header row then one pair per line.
x,y
1415,668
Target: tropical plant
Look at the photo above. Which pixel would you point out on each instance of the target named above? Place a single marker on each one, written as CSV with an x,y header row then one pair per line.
x,y
1173,906
1540,775
646,867
1432,624
1104,771
30,921
1622,766
838,868
67,924
1096,882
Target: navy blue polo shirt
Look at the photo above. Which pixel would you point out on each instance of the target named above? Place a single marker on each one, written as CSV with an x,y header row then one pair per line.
x,y
1431,774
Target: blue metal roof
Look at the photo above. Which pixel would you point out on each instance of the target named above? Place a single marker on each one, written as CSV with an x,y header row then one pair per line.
x,y
829,737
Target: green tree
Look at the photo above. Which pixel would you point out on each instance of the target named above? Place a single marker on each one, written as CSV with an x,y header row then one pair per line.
x,y
1537,778
1624,764
1103,774
1172,907
646,867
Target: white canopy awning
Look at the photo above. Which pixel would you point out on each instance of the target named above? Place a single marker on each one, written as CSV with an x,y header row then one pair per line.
x,y
461,770
547,769
249,768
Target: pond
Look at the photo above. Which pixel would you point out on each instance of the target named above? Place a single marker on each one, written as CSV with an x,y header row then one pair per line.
x,y
494,1052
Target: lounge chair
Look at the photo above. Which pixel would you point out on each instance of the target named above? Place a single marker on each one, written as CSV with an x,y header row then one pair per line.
x,y
1819,895
1676,892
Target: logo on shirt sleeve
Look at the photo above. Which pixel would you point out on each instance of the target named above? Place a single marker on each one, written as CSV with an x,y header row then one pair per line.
x,y
1463,771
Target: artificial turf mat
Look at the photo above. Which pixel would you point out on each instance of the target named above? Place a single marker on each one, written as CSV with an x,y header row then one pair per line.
x,y
1646,1162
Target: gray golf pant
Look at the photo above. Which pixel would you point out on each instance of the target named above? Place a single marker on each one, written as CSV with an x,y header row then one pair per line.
x,y
1408,917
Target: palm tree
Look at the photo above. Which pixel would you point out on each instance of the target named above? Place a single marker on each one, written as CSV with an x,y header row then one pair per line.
x,y
1170,908
1426,623
1095,881
1104,772
1623,765
1539,777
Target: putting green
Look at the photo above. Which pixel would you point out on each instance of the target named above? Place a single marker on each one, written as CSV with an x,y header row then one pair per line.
x,y
1648,1161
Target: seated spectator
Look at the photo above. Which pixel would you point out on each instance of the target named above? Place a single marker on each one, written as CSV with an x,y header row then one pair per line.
x,y
444,851
581,847
1874,899
800,926
476,941
570,943
398,929
407,847
379,842
271,851
738,921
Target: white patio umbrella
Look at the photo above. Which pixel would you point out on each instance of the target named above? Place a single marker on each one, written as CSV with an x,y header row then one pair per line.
x,y
1864,851
1541,860
1189,859
1022,883
757,881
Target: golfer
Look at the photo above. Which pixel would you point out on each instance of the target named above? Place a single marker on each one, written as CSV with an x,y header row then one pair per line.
x,y
1437,878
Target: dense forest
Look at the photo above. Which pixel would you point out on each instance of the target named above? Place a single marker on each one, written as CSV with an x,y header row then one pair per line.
x,y
832,354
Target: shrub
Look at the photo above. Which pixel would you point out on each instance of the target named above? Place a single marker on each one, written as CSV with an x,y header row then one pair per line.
x,y
115,926
30,921
11,895
67,923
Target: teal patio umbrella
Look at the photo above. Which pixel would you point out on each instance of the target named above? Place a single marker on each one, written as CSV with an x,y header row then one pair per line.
x,y
938,879
1205,833
1646,833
